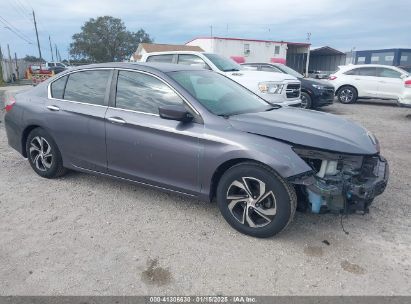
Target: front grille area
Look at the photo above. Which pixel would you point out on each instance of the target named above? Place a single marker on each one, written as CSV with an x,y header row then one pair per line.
x,y
293,90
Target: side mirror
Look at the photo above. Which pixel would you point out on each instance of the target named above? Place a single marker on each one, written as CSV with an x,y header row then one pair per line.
x,y
175,112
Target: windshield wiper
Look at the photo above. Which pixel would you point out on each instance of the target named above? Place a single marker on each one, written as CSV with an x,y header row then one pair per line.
x,y
231,70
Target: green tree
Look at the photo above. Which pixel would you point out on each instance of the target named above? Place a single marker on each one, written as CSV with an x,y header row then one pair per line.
x,y
106,39
30,58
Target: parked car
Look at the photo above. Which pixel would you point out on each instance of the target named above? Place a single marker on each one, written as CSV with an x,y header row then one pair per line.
x,y
198,133
275,88
56,67
371,81
314,93
55,64
318,74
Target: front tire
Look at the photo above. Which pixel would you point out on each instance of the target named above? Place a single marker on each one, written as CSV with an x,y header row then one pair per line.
x,y
255,200
306,101
43,154
347,94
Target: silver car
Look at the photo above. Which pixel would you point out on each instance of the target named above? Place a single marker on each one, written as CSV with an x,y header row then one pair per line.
x,y
196,132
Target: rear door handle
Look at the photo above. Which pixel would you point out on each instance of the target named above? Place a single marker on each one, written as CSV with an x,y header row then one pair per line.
x,y
116,120
53,108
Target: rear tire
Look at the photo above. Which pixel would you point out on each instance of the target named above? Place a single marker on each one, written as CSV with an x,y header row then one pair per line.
x,y
43,154
347,94
255,200
306,101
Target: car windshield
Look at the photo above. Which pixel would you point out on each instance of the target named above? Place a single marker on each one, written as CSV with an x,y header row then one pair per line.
x,y
289,71
222,63
218,94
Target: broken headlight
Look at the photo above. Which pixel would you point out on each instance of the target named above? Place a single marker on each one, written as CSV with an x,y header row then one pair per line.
x,y
328,163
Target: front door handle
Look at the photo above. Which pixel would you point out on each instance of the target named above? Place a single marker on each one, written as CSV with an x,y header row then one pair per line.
x,y
116,120
53,108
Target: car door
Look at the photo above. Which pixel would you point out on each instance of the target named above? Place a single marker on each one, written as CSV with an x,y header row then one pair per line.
x,y
365,80
77,106
142,146
390,83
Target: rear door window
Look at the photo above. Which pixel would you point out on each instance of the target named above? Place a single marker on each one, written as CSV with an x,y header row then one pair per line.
x,y
367,71
87,86
161,58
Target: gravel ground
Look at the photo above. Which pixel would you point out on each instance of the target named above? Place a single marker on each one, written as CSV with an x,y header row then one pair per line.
x,y
87,235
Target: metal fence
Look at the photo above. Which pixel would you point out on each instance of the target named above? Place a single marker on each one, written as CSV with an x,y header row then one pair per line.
x,y
14,69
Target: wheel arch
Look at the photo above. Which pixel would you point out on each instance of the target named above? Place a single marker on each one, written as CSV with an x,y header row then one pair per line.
x,y
307,91
25,135
222,168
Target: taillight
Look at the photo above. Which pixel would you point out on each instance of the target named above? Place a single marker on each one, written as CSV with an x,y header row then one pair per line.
x,y
9,103
407,83
332,77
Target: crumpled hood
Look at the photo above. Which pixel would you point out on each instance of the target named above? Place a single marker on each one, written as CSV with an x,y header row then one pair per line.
x,y
258,76
308,128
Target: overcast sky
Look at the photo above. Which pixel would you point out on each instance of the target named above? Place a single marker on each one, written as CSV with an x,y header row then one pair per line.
x,y
342,24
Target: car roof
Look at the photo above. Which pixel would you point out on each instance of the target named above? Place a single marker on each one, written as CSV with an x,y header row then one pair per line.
x,y
266,63
351,66
171,53
145,66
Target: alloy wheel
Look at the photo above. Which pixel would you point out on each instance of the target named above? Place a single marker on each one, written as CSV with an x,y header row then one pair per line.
x,y
40,153
346,95
250,203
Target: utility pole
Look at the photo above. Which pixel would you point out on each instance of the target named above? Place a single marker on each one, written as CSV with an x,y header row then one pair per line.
x,y
37,34
352,55
307,62
10,64
55,48
17,67
51,50
1,66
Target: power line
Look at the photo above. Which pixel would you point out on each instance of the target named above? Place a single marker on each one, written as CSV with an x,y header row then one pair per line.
x,y
22,11
14,29
16,33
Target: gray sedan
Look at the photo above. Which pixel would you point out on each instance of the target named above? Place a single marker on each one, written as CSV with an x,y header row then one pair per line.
x,y
198,133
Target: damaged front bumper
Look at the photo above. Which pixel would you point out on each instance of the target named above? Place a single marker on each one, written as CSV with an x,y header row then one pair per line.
x,y
341,183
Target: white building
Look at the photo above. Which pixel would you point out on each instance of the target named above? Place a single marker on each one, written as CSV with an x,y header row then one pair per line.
x,y
252,50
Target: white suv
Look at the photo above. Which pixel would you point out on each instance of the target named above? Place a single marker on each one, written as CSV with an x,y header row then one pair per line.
x,y
276,88
371,81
